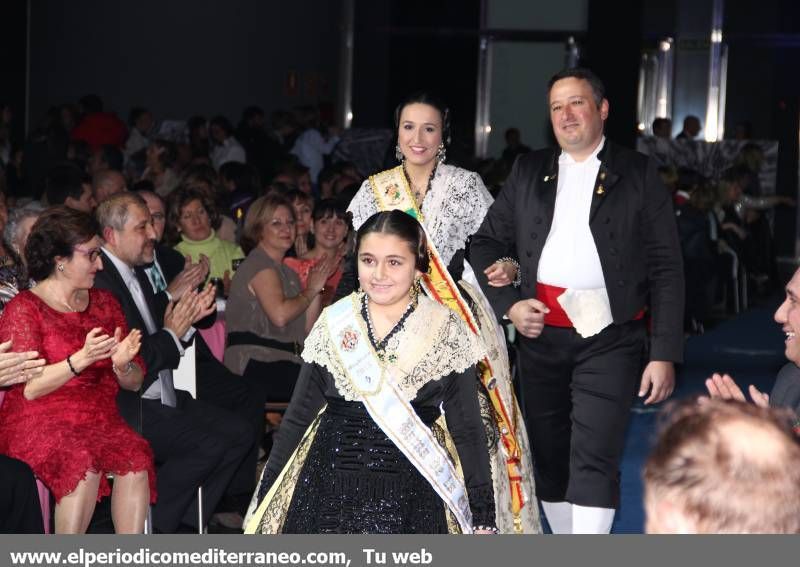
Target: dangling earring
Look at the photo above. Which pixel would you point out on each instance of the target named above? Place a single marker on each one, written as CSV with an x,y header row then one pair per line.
x,y
60,267
441,153
398,155
413,293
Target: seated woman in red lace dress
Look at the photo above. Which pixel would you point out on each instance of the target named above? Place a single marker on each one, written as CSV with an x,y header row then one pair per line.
x,y
330,227
65,423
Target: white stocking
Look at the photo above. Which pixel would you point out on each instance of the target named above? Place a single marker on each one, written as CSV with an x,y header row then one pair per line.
x,y
591,520
559,516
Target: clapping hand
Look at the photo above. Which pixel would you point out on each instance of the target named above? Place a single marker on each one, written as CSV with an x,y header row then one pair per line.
x,y
97,346
301,245
722,386
192,307
190,277
321,271
126,348
18,367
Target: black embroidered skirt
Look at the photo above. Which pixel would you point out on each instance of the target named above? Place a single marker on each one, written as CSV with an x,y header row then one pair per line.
x,y
355,480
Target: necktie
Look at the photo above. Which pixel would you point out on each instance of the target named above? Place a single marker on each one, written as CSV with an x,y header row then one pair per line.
x,y
156,278
168,397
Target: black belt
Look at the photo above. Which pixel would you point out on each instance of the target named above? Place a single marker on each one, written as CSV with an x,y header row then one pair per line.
x,y
247,338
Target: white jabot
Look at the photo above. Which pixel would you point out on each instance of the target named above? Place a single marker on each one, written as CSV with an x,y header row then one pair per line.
x,y
569,258
163,388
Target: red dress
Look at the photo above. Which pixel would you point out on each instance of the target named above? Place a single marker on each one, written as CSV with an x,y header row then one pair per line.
x,y
76,428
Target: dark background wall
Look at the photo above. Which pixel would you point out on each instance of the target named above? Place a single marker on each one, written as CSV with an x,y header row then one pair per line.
x,y
180,57
402,46
13,40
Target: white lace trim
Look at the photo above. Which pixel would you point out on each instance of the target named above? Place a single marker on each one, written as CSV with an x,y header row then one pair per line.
x,y
434,342
452,211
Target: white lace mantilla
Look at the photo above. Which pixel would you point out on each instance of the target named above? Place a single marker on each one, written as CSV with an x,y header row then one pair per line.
x,y
434,342
453,209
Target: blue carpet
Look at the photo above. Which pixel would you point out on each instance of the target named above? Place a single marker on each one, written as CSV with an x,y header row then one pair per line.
x,y
748,347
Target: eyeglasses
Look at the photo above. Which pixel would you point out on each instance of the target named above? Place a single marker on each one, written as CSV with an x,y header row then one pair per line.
x,y
93,254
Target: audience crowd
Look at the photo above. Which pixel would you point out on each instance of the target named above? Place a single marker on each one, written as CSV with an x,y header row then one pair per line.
x,y
231,239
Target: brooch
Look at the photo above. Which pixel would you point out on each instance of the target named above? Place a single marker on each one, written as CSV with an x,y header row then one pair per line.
x,y
349,338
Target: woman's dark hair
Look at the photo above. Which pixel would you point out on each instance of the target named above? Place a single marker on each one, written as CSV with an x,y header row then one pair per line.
x,y
180,198
431,100
56,233
331,208
295,195
243,175
403,226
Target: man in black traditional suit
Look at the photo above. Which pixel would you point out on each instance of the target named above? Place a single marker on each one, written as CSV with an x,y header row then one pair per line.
x,y
594,231
194,443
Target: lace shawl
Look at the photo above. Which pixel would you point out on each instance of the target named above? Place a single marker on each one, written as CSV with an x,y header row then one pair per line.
x,y
433,343
453,209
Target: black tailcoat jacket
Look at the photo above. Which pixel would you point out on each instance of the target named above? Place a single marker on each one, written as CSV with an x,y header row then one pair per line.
x,y
633,225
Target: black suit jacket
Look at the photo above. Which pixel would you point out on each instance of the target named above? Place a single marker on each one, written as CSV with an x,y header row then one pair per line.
x,y
172,263
158,351
633,225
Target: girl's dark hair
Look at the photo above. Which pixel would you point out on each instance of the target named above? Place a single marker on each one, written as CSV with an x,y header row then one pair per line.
x,y
180,198
403,226
423,97
56,233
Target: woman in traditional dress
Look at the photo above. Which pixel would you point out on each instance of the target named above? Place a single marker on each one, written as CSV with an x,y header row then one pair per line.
x,y
363,448
451,203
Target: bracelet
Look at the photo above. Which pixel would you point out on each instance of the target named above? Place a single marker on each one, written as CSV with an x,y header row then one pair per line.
x,y
71,368
517,280
128,368
305,297
492,529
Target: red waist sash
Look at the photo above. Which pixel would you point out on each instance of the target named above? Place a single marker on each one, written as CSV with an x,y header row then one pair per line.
x,y
557,317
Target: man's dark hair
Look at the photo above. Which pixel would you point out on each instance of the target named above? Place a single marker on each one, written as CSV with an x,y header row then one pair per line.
x,y
598,89
223,123
63,181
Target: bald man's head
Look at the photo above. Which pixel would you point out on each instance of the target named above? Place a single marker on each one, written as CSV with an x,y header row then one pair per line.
x,y
107,182
724,467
